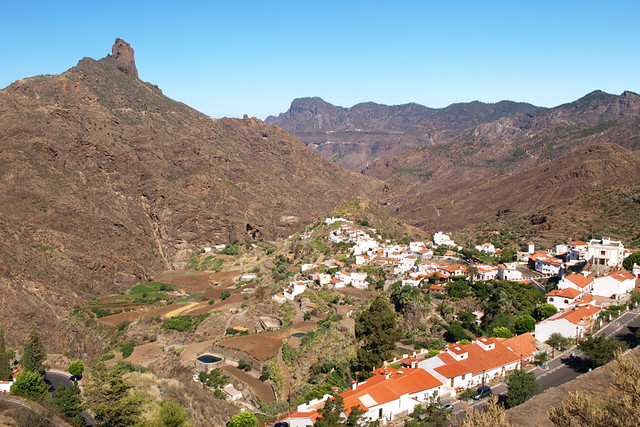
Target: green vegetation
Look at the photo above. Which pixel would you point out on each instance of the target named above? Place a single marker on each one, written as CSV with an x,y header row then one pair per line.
x,y
225,294
76,368
69,400
544,311
502,332
5,362
634,258
521,386
244,419
184,323
30,384
524,323
377,331
434,415
127,348
111,398
33,353
171,414
600,350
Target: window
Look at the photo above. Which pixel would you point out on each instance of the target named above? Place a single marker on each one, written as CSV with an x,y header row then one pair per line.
x,y
603,253
566,301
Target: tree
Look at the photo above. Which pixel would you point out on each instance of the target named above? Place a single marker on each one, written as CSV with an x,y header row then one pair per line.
x,y
492,415
433,415
376,328
76,368
244,419
171,415
111,398
33,353
521,385
544,311
225,294
502,332
5,362
331,415
524,323
620,410
69,400
557,341
30,383
600,350
628,262
455,332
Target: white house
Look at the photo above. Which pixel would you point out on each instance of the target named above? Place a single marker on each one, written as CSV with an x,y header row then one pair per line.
x,y
295,288
547,264
440,238
605,252
359,280
508,271
486,272
487,247
231,391
577,282
614,284
387,395
563,298
460,366
5,386
572,323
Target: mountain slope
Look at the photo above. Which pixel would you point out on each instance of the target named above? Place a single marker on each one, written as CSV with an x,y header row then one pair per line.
x,y
473,201
354,136
104,181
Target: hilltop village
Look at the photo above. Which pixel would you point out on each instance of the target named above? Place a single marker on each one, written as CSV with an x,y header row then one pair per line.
x,y
344,310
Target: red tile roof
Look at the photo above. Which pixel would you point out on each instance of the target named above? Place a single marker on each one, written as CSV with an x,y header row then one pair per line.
x,y
564,293
577,315
579,280
621,275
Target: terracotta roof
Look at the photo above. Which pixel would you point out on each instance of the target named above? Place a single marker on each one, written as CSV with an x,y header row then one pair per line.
x,y
564,293
579,280
521,344
577,315
378,389
478,359
578,243
621,275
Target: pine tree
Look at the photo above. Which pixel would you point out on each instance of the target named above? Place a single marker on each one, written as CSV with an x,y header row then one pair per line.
x,y
34,353
5,368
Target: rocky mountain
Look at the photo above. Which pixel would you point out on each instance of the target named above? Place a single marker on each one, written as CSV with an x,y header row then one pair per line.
x,y
104,181
517,142
354,136
538,200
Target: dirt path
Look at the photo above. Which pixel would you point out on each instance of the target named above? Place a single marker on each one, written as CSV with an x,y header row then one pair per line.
x,y
262,390
287,375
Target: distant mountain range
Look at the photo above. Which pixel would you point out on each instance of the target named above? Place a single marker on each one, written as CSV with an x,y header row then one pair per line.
x,y
354,136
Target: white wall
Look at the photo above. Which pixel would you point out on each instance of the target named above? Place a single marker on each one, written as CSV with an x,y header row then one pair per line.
x,y
563,327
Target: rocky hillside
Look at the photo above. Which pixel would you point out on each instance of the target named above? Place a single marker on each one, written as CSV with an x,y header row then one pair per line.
x,y
354,136
529,193
105,180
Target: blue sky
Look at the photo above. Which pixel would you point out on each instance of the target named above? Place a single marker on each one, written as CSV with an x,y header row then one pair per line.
x,y
255,57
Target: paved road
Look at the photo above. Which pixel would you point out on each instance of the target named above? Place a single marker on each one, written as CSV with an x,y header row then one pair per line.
x,y
569,366
56,378
16,401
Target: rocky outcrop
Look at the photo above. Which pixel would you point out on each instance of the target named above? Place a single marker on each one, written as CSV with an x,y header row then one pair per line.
x,y
122,57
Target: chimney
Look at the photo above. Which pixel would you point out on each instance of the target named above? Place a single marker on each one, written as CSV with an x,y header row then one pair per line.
x,y
413,364
354,384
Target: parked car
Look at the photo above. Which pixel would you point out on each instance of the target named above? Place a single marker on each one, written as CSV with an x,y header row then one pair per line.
x,y
281,424
446,405
482,392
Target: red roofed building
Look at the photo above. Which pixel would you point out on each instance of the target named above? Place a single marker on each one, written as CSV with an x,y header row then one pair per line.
x,y
614,284
461,366
572,323
563,298
578,282
387,395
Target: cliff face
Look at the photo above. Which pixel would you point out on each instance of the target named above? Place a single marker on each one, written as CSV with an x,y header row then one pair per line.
x,y
105,181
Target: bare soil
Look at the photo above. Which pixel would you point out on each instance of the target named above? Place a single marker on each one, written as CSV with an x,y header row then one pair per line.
x,y
262,390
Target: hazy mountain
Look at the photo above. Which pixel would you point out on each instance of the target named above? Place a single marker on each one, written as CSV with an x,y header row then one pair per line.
x,y
354,136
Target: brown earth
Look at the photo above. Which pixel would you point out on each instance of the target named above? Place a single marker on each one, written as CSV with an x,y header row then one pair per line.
x,y
260,389
105,182
116,319
265,345
596,384
145,354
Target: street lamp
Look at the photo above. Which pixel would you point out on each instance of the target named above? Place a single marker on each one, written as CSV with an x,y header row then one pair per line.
x,y
577,333
483,377
520,361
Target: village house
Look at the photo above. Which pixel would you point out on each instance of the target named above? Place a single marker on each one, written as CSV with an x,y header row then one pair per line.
x,y
231,391
546,264
487,247
572,323
461,366
450,271
606,252
615,284
486,272
295,288
563,298
440,239
389,394
577,282
508,271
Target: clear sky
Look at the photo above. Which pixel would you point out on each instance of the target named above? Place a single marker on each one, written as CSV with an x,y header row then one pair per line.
x,y
255,57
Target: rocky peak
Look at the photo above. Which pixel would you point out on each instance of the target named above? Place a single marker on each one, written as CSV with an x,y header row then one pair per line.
x,y
122,56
